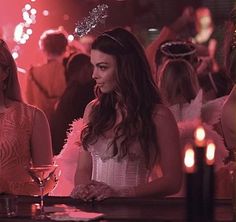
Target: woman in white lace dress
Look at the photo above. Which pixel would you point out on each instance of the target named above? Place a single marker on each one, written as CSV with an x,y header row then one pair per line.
x,y
127,132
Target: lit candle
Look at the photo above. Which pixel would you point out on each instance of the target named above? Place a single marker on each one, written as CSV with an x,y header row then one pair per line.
x,y
189,167
210,153
200,135
189,159
209,182
199,177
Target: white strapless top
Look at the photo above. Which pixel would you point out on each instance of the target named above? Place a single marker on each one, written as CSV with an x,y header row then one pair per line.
x,y
128,172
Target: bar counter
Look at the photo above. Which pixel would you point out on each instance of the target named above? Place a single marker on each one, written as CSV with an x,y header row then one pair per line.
x,y
120,209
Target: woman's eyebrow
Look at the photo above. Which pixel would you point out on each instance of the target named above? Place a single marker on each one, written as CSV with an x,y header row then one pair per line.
x,y
101,63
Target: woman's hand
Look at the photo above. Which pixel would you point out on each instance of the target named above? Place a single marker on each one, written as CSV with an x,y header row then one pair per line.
x,y
93,191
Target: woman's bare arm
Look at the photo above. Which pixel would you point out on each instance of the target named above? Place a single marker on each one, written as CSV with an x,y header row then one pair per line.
x,y
41,145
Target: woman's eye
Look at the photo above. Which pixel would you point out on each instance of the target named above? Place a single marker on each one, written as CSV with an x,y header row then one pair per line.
x,y
103,68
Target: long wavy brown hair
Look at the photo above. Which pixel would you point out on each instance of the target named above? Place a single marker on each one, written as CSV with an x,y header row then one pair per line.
x,y
135,97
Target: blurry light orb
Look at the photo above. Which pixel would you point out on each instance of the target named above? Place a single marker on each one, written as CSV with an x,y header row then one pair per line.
x,y
18,32
29,21
22,41
26,36
25,15
45,12
33,17
29,31
15,55
70,37
33,11
27,6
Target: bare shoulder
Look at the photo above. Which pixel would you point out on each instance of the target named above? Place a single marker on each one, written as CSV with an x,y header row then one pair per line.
x,y
88,109
164,118
162,112
40,117
33,111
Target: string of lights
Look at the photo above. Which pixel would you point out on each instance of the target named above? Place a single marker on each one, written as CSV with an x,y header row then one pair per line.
x,y
23,30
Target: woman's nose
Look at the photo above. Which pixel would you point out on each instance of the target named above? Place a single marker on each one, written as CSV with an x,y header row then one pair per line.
x,y
94,75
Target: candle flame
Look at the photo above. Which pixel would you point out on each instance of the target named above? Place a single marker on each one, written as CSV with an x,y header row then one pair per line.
x,y
189,158
200,136
210,153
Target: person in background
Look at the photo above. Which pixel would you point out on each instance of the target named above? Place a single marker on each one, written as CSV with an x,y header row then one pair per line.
x,y
46,83
179,87
228,120
78,93
204,38
168,33
127,133
24,133
181,93
200,45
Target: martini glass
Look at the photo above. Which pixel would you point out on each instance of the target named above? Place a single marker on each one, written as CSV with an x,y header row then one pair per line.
x,y
40,175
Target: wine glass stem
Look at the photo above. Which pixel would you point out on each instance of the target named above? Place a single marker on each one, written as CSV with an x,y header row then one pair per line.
x,y
41,198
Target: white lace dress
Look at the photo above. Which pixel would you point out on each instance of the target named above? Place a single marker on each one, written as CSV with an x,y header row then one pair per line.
x,y
128,172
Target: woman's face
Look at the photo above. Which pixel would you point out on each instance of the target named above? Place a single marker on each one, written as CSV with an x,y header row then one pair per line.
x,y
105,68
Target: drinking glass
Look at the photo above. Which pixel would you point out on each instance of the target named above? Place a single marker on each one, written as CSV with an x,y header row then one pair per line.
x,y
8,205
40,175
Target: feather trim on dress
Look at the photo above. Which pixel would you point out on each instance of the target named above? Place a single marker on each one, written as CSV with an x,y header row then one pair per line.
x,y
67,160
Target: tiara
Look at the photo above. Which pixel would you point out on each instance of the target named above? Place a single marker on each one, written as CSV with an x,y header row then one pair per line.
x,y
114,39
97,15
178,49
